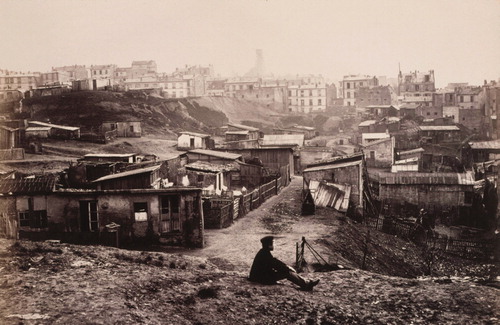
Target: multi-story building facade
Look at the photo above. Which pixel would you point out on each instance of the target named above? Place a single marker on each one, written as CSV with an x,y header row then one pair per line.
x,y
307,98
350,85
106,71
175,88
416,87
54,78
375,95
75,72
22,82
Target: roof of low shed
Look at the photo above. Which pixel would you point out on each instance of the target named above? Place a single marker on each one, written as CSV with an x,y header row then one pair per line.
x,y
128,173
29,185
214,153
411,178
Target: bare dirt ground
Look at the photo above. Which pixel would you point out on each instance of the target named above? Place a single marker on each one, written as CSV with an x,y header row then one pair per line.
x,y
52,283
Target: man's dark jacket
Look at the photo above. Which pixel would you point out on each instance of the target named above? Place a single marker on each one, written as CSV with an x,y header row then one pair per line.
x,y
266,269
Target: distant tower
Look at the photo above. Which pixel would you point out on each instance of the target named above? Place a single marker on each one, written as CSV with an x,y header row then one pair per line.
x,y
258,69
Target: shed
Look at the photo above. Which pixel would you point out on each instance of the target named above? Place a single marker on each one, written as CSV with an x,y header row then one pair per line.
x,y
126,129
109,157
59,131
193,140
347,170
133,179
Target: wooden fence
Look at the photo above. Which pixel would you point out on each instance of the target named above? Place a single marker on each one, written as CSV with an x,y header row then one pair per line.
x,y
221,212
466,248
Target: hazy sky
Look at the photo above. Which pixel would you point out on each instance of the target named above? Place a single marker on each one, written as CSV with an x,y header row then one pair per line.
x,y
459,39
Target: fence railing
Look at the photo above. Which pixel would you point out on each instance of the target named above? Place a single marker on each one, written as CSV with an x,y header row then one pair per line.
x,y
221,212
467,248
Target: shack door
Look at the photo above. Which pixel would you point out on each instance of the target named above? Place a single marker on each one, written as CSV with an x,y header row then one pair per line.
x,y
170,213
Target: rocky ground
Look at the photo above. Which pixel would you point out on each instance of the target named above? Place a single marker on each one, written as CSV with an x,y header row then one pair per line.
x,y
54,283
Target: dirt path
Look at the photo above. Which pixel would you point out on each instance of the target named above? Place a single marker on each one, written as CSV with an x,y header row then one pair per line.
x,y
235,247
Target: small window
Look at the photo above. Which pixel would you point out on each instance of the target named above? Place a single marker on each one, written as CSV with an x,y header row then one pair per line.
x,y
201,177
141,211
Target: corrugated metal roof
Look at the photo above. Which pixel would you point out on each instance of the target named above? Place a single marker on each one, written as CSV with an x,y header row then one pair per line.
x,y
330,195
412,151
201,135
358,156
439,128
32,185
213,153
128,173
409,178
478,145
333,165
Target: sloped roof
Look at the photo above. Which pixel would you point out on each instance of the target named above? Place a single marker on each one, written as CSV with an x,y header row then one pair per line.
x,y
212,168
63,127
439,128
201,135
243,127
412,178
478,145
332,166
358,156
109,155
373,143
367,123
30,185
283,139
128,173
214,153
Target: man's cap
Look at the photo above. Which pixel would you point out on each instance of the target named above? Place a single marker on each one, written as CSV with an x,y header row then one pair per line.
x,y
267,240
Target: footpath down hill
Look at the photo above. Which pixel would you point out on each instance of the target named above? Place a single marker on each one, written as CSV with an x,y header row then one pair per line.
x,y
159,116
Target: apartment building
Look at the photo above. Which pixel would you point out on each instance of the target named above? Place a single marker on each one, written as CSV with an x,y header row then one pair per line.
x,y
350,85
416,88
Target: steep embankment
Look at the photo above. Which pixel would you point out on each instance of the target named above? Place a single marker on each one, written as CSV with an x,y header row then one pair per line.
x,y
159,116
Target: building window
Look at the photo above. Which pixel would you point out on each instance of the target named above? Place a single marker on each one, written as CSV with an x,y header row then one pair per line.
x,y
89,217
140,211
319,102
33,219
311,102
302,102
348,85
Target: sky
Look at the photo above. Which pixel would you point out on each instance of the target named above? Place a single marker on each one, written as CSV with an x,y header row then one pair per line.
x,y
458,39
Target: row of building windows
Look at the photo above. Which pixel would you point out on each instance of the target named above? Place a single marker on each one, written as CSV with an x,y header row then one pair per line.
x,y
302,93
311,102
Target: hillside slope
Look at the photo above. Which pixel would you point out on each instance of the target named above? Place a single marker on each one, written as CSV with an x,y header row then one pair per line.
x,y
159,116
45,283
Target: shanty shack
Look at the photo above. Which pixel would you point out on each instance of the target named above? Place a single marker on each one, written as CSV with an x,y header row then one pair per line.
x,y
436,192
213,178
239,132
147,177
379,153
192,140
343,172
107,157
126,129
58,131
33,208
23,204
171,215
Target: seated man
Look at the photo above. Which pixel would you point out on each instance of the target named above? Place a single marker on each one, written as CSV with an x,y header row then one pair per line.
x,y
267,270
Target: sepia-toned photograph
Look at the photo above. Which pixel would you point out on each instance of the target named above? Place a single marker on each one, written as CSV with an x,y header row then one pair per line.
x,y
199,162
